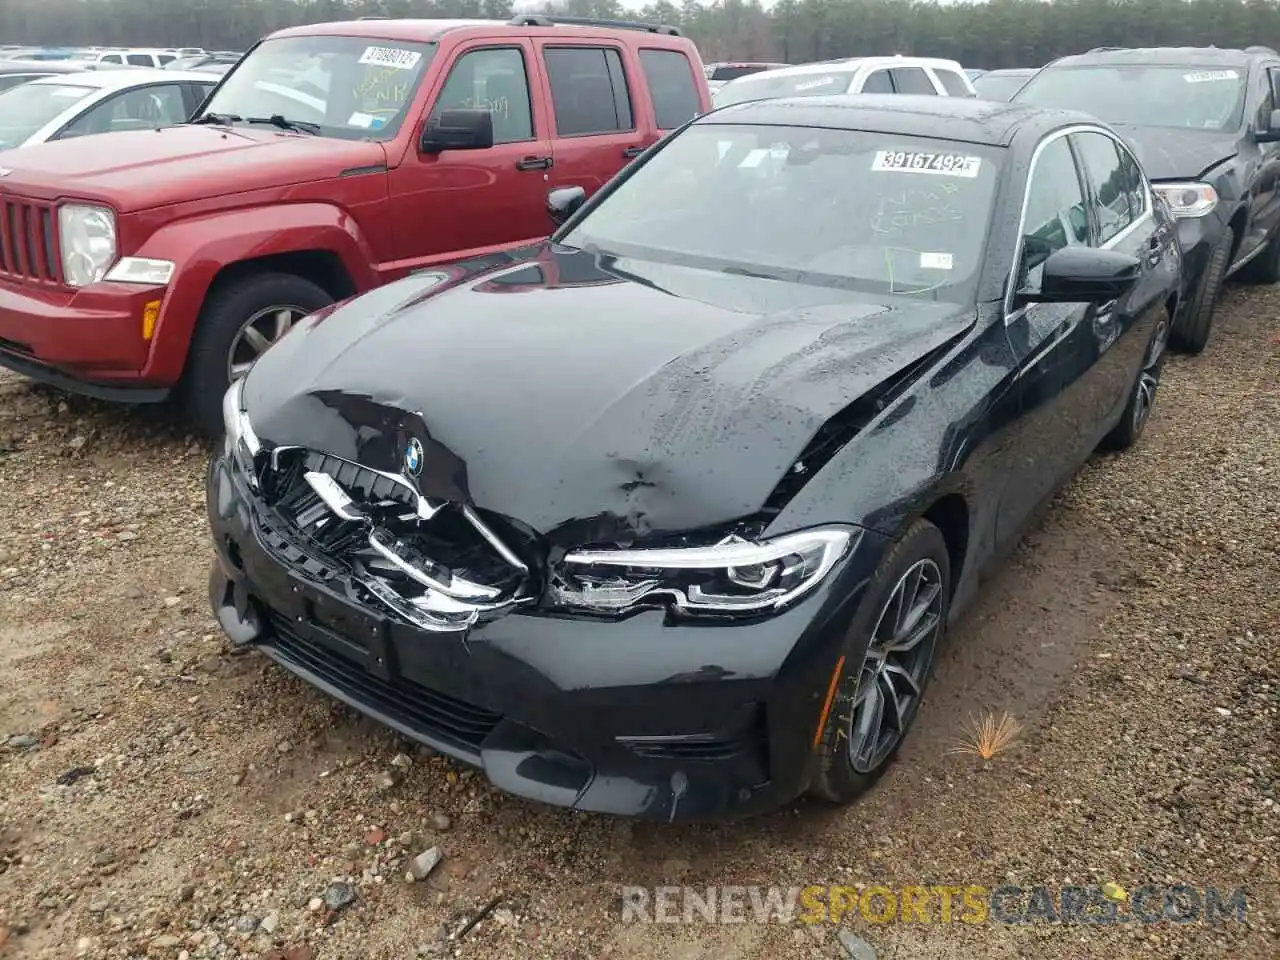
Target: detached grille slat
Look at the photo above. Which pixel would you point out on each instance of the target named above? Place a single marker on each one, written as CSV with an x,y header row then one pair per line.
x,y
29,242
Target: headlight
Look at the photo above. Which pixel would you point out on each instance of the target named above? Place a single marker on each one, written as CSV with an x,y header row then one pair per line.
x,y
88,238
734,576
240,441
1188,199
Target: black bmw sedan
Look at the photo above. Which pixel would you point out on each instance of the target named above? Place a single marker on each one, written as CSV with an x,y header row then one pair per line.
x,y
674,528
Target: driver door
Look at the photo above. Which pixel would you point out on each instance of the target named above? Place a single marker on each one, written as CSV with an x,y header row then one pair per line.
x,y
1049,341
465,202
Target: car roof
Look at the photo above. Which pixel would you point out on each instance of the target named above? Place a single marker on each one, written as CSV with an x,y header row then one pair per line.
x,y
46,66
122,79
966,119
850,64
1155,56
411,30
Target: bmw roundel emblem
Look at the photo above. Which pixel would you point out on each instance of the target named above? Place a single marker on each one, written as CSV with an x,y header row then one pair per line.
x,y
413,457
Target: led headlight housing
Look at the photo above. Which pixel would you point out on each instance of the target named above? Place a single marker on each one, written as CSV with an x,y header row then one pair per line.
x,y
733,577
1189,200
240,442
87,235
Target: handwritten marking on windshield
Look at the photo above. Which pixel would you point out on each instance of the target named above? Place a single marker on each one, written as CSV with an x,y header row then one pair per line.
x,y
912,208
1208,76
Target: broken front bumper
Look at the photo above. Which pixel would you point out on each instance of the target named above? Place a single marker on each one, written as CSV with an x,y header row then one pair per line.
x,y
636,717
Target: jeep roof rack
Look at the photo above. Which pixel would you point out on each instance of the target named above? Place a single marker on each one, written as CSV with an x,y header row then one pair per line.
x,y
542,20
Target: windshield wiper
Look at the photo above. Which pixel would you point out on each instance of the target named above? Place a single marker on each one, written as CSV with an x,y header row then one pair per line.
x,y
221,119
284,123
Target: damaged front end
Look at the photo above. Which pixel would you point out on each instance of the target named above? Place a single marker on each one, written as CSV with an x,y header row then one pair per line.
x,y
437,564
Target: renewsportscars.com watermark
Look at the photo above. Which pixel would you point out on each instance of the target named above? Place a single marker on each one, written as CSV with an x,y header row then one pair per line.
x,y
967,903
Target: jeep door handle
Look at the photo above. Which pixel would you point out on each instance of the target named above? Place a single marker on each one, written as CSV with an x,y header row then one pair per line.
x,y
534,163
632,152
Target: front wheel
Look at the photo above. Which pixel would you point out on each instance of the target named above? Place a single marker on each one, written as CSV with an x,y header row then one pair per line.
x,y
239,322
1190,331
889,654
1143,397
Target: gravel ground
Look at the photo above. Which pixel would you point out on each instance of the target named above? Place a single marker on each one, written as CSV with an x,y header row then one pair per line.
x,y
162,798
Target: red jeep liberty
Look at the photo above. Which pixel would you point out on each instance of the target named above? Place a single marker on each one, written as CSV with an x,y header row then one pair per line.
x,y
333,158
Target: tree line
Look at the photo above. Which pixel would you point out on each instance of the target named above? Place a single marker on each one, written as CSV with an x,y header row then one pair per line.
x,y
996,33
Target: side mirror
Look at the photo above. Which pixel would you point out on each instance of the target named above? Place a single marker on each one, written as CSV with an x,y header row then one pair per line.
x,y
458,130
1084,275
1272,133
563,203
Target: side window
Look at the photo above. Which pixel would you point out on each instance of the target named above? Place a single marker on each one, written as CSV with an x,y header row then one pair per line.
x,y
913,80
1055,214
951,82
142,109
13,79
493,78
141,60
877,82
1267,101
112,58
1135,184
1110,201
588,90
670,79
165,58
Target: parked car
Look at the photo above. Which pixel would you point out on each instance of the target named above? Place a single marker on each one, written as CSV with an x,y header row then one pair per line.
x,y
973,73
67,106
909,75
718,74
682,542
1002,84
131,57
212,62
335,157
1204,123
15,72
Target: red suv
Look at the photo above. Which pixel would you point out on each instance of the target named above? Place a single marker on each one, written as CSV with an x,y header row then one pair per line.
x,y
333,158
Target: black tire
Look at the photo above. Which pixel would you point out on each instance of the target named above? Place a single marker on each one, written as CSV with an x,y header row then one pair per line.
x,y
1190,331
839,779
1265,267
226,312
1142,396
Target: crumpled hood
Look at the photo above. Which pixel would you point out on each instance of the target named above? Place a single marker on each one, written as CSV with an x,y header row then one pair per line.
x,y
152,168
628,396
1172,153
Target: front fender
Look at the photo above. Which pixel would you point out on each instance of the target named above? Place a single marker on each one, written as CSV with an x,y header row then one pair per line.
x,y
201,246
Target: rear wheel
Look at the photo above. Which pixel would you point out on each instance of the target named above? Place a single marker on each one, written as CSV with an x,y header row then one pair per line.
x,y
1190,332
240,321
889,654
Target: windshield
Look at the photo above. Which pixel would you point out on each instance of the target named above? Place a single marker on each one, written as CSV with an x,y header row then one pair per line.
x,y
999,86
348,87
863,211
1199,97
26,108
764,86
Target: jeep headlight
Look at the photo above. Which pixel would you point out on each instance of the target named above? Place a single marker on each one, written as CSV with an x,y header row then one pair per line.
x,y
1188,200
240,442
88,239
733,577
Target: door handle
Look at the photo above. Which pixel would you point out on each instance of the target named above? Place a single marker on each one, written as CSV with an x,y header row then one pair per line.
x,y
632,152
534,163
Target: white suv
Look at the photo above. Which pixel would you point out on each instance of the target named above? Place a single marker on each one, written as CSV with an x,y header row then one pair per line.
x,y
911,75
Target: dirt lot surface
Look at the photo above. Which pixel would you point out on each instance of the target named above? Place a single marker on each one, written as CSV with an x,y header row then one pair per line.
x,y
160,797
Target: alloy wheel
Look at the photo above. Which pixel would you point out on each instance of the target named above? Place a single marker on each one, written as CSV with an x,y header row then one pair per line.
x,y
259,333
895,666
1149,377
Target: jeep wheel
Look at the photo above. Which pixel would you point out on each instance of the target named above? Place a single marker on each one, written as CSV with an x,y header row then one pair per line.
x,y
1190,330
239,322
